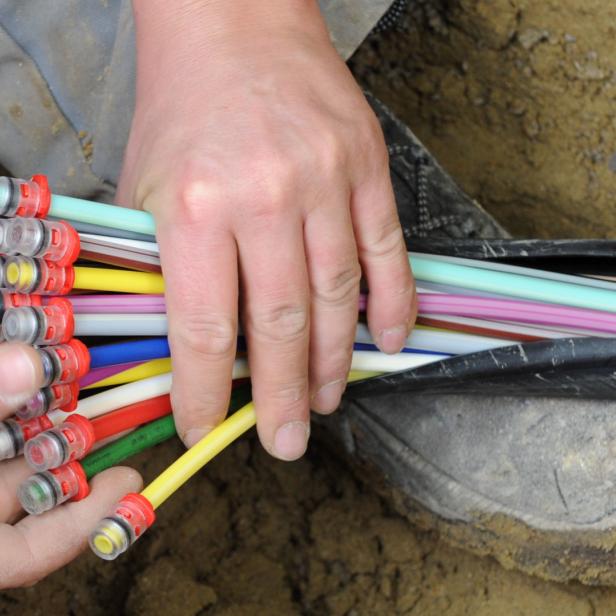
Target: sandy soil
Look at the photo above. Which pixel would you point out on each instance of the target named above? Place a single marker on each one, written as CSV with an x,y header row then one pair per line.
x,y
517,100
255,536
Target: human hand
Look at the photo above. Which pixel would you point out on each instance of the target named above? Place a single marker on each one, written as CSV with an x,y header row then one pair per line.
x,y
34,546
266,171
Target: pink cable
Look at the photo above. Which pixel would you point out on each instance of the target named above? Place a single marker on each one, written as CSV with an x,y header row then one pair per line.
x,y
118,304
517,311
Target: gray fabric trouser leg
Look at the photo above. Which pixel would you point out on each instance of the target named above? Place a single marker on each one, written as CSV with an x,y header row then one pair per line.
x,y
67,72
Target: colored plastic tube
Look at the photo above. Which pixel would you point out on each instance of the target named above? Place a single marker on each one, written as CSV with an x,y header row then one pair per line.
x,y
118,281
118,304
90,212
141,439
514,285
518,311
134,373
124,352
101,374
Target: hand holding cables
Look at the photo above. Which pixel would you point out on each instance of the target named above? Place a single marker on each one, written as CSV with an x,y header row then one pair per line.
x,y
33,547
309,200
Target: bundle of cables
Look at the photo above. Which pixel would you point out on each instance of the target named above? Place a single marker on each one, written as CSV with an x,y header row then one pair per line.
x,y
104,403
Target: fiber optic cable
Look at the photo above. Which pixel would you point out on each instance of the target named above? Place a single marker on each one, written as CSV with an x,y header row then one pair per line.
x,y
134,514
134,373
122,352
515,285
118,281
101,374
75,438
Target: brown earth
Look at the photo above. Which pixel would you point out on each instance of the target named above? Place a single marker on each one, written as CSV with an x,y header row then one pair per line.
x,y
516,99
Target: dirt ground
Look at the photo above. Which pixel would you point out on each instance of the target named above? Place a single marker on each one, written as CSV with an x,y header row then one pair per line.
x,y
516,98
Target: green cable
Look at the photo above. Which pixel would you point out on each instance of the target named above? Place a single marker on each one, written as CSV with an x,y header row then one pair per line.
x,y
141,439
145,437
514,285
80,210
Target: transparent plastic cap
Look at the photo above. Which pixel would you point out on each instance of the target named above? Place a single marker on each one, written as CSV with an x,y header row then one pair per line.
x,y
8,444
35,407
4,233
21,325
26,236
47,450
5,194
37,494
110,539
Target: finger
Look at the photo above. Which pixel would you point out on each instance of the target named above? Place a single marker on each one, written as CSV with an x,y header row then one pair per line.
x,y
12,474
334,281
276,323
392,304
201,289
20,376
38,545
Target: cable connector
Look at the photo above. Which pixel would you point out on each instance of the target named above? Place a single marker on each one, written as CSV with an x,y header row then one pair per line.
x,y
64,363
63,397
44,491
14,434
40,325
28,275
70,441
54,241
27,198
131,517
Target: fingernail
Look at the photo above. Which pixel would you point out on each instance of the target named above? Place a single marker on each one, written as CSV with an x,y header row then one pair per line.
x,y
392,340
17,375
291,440
194,435
327,398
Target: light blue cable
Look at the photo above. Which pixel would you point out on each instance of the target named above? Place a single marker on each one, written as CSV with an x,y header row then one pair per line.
x,y
514,285
80,210
425,268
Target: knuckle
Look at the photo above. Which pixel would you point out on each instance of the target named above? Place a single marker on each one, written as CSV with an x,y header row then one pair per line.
x,y
281,323
339,286
206,334
386,241
196,199
290,396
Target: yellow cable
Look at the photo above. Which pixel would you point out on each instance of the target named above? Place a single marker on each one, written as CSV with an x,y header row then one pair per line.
x,y
176,475
143,371
119,281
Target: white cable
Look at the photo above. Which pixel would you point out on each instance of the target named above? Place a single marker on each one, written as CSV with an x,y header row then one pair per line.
x,y
455,343
120,325
131,393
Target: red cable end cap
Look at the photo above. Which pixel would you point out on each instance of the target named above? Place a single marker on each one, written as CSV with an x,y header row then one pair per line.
x,y
83,489
69,281
74,246
45,196
83,355
67,308
144,505
86,427
72,405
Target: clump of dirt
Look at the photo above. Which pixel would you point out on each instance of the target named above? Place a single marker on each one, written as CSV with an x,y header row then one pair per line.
x,y
516,98
251,535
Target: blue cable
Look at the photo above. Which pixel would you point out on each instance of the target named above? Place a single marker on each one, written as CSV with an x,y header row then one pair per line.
x,y
365,346
126,352
157,348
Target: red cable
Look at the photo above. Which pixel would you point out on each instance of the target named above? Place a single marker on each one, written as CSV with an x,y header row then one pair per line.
x,y
131,416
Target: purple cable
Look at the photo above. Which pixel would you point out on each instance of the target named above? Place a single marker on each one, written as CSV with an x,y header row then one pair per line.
x,y
98,374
